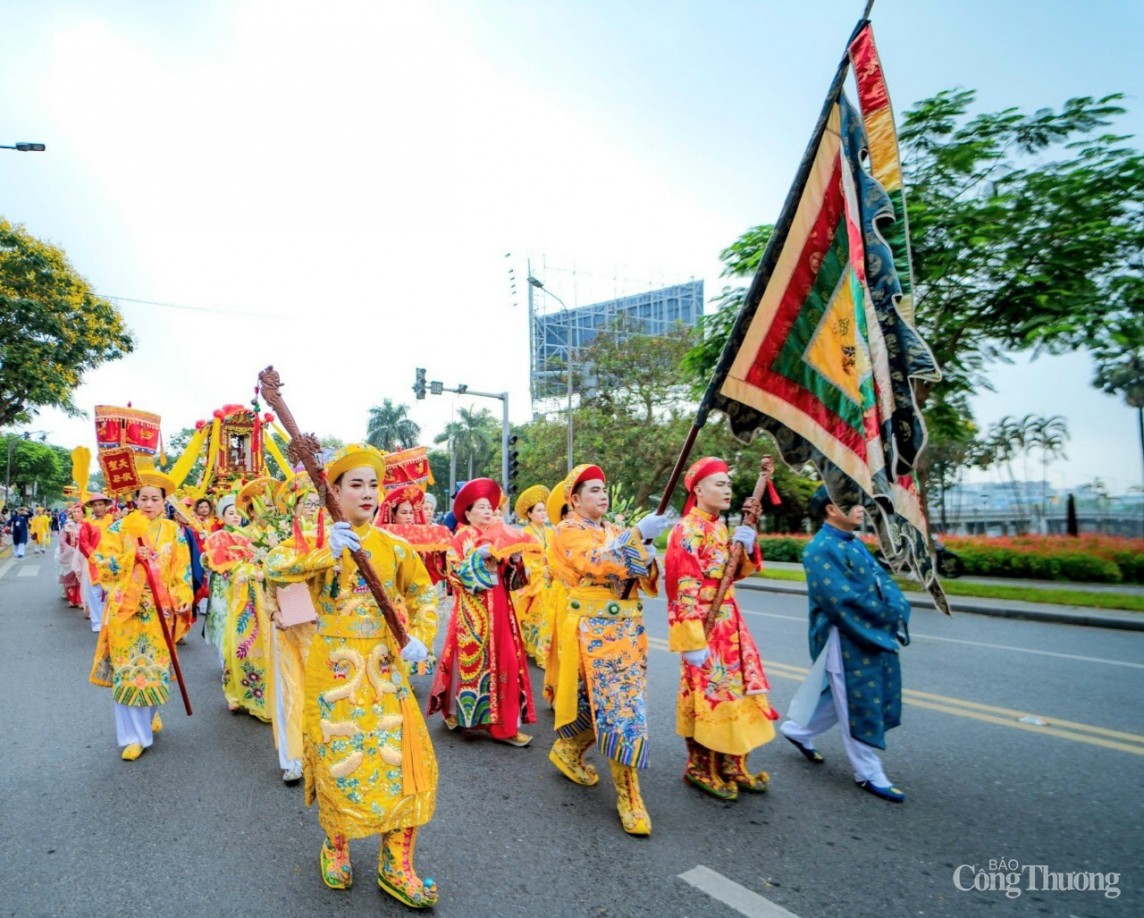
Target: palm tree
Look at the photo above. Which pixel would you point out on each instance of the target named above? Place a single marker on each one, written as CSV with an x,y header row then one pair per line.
x,y
390,427
473,435
1049,435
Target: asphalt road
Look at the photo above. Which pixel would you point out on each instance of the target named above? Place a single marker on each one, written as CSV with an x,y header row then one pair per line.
x,y
202,824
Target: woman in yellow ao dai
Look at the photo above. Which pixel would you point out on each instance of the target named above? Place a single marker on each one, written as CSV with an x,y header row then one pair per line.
x,y
131,656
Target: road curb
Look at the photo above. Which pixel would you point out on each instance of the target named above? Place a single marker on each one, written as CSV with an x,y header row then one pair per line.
x,y
1034,612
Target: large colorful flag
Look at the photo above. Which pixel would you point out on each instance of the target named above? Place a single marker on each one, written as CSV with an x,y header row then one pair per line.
x,y
822,356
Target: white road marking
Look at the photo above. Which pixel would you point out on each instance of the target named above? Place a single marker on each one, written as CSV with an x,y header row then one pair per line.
x,y
733,895
7,565
29,571
1043,653
929,637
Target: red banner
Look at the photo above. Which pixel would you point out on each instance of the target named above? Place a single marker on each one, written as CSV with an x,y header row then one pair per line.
x,y
119,470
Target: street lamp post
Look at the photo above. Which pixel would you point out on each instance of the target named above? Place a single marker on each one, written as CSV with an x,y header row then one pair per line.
x,y
568,325
24,147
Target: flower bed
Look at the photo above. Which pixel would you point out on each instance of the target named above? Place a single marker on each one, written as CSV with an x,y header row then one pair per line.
x,y
1087,559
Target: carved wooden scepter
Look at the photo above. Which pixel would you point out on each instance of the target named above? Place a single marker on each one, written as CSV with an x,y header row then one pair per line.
x,y
751,510
304,448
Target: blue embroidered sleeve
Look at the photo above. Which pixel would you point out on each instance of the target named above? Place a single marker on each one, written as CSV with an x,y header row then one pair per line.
x,y
473,574
630,553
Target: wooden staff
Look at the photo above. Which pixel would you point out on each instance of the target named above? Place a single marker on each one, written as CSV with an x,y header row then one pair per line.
x,y
162,603
304,448
751,510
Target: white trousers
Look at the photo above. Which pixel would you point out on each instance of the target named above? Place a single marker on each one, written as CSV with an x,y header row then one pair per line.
x,y
280,688
832,709
95,602
19,548
133,725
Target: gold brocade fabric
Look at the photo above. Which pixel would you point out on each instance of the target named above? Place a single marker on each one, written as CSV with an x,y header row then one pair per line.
x,y
131,656
601,681
534,601
368,758
723,704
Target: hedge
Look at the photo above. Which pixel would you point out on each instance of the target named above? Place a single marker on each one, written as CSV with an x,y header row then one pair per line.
x,y
1086,559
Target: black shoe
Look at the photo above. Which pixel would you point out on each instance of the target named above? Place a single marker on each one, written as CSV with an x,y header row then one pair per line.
x,y
811,755
890,793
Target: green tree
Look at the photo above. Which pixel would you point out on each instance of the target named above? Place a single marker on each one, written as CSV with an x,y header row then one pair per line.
x,y
633,420
1119,357
36,466
390,428
53,328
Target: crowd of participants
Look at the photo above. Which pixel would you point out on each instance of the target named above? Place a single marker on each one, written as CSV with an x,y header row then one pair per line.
x,y
303,645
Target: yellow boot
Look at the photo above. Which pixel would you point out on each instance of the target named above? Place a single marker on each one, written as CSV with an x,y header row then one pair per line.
x,y
156,723
132,752
395,873
633,813
734,769
568,756
337,871
702,772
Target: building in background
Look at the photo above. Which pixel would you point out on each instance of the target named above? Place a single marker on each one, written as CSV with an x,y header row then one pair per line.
x,y
557,333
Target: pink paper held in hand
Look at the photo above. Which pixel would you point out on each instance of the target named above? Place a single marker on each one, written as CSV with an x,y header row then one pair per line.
x,y
295,605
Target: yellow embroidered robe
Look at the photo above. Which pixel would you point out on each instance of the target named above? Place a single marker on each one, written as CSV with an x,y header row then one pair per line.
x,y
292,646
131,657
247,649
602,680
40,528
367,755
533,601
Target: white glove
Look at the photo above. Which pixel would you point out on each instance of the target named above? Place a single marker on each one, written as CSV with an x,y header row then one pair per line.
x,y
484,550
695,657
745,536
650,549
652,525
342,536
415,651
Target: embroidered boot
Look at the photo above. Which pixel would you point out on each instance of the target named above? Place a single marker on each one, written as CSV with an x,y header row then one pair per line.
x,y
702,772
734,769
633,813
395,873
156,723
337,871
568,756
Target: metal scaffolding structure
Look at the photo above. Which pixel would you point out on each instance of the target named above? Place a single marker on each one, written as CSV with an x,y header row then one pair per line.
x,y
558,334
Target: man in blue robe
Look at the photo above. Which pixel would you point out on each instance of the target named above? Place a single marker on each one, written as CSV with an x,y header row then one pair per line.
x,y
858,622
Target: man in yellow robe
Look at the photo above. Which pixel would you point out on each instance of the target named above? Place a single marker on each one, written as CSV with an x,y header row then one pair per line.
x,y
41,529
601,687
366,751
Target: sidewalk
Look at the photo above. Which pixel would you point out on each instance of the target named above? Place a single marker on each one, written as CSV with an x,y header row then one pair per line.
x,y
1002,608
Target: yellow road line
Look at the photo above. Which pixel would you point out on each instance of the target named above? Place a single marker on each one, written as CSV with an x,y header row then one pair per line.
x,y
987,713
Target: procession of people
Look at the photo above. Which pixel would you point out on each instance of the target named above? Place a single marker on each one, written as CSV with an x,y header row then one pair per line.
x,y
322,598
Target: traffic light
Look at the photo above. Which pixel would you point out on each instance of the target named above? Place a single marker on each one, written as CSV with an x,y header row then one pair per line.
x,y
419,384
513,462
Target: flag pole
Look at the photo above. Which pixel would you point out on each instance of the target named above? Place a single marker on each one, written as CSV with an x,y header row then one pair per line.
x,y
765,269
768,261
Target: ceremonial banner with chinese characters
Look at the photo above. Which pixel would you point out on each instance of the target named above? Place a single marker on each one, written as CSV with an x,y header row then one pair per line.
x,y
119,470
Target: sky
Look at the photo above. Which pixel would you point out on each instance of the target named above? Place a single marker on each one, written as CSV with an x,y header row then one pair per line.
x,y
341,189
